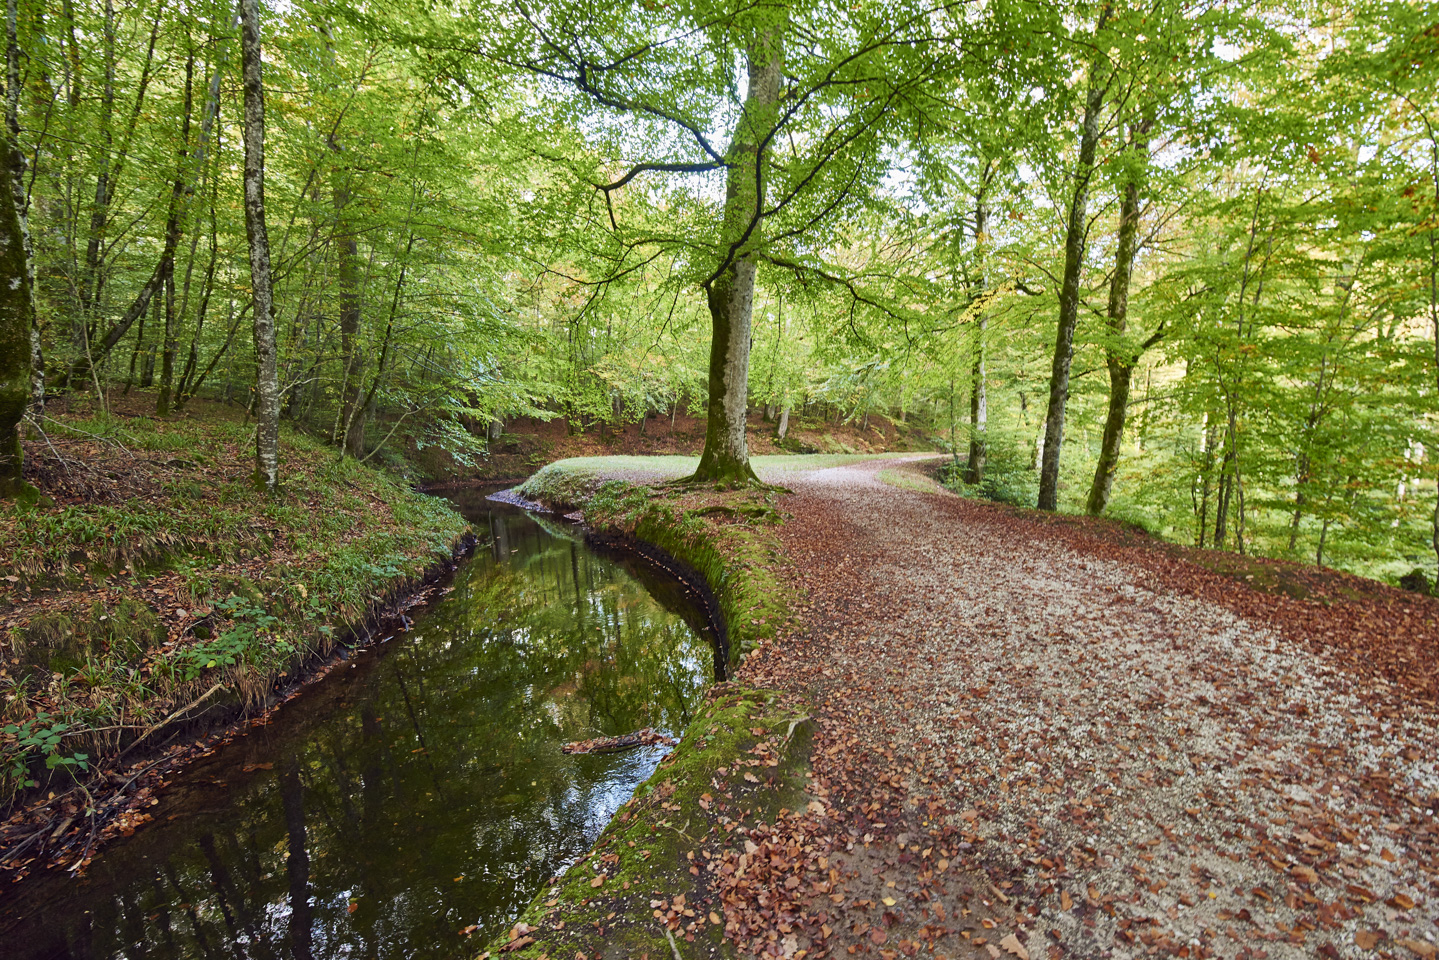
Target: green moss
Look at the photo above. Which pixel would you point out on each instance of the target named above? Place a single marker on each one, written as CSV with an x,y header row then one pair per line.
x,y
655,844
649,849
738,558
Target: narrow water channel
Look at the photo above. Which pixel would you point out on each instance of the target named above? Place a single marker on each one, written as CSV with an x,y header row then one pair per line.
x,y
417,791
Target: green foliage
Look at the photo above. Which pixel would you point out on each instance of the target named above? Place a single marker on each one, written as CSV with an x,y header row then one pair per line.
x,y
34,739
535,206
265,581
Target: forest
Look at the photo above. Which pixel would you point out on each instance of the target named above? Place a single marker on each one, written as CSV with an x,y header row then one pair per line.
x,y
1175,262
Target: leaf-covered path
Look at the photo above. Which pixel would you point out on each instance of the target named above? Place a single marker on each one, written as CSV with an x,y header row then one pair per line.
x,y
1034,742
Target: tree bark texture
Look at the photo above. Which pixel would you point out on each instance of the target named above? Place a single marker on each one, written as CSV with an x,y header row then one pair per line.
x,y
730,295
267,385
170,339
1118,357
16,309
978,398
1075,238
16,161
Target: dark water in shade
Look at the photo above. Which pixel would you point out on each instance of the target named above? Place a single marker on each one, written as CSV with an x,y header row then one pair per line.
x,y
412,793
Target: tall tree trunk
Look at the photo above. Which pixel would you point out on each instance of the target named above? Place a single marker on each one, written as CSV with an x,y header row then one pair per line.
x,y
16,162
267,384
92,279
185,388
1075,241
783,429
978,397
80,328
730,294
170,340
352,358
16,309
1118,356
1208,480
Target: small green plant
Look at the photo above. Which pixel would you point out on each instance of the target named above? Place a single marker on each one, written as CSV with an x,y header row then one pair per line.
x,y
251,621
40,735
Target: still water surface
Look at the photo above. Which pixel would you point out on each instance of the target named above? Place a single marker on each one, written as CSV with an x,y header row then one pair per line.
x,y
414,792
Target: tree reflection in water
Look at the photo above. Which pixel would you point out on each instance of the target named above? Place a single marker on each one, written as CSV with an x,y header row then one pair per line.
x,y
414,793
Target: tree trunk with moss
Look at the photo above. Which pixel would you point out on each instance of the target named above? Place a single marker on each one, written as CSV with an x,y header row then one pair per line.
x,y
730,294
17,163
16,320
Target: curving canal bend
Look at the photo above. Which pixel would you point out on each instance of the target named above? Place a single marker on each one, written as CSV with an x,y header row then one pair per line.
x,y
417,791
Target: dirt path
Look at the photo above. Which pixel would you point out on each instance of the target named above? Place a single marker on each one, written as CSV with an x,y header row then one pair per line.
x,y
1027,747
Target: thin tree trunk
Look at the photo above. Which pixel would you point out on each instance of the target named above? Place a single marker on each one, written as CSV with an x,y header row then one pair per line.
x,y
1226,488
267,386
351,435
138,351
783,429
79,332
92,280
730,294
1208,481
1118,357
35,360
186,388
170,340
978,396
220,355
16,309
1075,241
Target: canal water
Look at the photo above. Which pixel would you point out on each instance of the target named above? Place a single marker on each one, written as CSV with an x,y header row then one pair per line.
x,y
418,791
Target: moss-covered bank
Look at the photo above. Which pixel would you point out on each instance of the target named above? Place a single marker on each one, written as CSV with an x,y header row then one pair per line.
x,y
153,587
725,535
647,888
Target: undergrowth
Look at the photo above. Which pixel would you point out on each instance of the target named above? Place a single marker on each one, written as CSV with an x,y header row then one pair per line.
x,y
153,583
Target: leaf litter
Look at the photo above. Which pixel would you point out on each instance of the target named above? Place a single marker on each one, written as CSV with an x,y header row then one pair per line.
x,y
1039,739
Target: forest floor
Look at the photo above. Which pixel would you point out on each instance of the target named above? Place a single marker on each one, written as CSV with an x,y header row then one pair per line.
x,y
1144,752
154,595
1051,736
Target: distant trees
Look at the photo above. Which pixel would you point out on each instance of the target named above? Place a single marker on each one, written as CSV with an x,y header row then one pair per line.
x,y
1186,263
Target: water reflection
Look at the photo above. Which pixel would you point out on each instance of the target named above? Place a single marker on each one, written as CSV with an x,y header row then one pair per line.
x,y
414,793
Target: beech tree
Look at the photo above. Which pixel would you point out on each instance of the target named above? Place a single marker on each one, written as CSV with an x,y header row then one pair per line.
x,y
267,386
16,321
806,143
